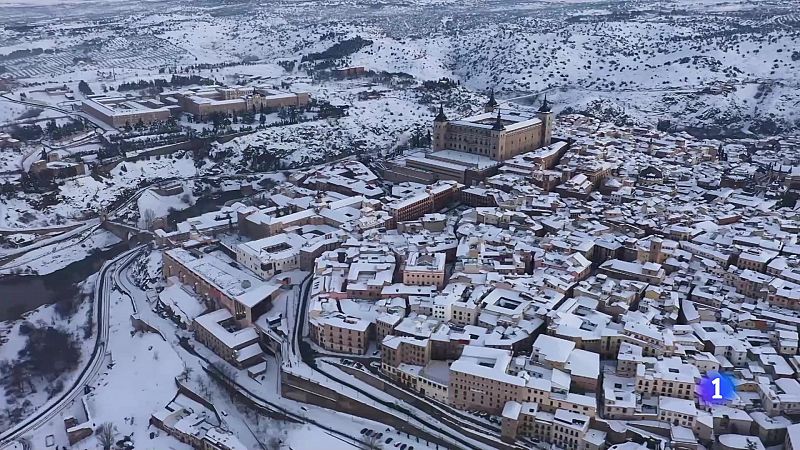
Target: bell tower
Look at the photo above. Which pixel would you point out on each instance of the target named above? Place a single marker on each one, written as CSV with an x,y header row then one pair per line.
x,y
439,130
546,116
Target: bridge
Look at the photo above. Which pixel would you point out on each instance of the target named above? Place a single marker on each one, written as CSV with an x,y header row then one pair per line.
x,y
40,230
128,233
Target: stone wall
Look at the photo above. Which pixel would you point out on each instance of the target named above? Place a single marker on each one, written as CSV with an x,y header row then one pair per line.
x,y
307,391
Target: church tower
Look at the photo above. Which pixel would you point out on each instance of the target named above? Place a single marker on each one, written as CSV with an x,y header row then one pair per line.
x,y
491,104
546,116
655,250
439,130
498,130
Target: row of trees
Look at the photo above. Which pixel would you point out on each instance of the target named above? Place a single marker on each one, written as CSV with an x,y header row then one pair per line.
x,y
26,133
289,115
56,131
205,66
443,83
25,53
339,50
161,83
121,145
52,130
158,127
420,138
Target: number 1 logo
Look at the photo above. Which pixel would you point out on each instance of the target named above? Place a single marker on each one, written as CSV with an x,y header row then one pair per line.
x,y
716,388
716,383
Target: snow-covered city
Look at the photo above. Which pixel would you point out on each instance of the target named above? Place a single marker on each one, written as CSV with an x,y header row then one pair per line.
x,y
305,225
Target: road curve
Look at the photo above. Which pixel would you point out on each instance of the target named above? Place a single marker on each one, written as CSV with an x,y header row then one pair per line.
x,y
102,295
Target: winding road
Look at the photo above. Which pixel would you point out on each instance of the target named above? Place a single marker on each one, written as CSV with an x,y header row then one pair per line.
x,y
102,293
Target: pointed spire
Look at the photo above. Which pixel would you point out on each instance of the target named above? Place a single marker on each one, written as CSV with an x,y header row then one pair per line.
x,y
440,117
492,102
545,108
498,123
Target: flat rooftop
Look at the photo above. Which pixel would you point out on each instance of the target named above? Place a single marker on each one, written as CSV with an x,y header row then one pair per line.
x,y
479,162
127,108
511,120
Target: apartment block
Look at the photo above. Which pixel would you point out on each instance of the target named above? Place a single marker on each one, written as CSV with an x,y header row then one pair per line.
x,y
341,333
424,269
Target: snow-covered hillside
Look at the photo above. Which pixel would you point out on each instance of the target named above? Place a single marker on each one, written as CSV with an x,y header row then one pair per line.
x,y
370,125
725,63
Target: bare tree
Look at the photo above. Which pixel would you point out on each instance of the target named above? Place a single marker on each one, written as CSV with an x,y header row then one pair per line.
x,y
372,442
202,386
148,217
106,435
185,373
26,442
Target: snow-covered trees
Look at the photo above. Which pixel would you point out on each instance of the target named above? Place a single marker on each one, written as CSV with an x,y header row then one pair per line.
x,y
106,435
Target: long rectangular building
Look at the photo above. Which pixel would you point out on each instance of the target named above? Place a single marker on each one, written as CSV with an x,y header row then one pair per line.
x,y
119,111
245,296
